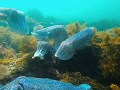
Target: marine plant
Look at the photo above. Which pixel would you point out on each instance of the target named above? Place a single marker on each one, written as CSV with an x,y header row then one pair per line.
x,y
116,31
77,78
7,53
5,43
23,43
3,70
73,28
5,37
114,87
27,44
15,51
11,44
16,40
106,49
9,69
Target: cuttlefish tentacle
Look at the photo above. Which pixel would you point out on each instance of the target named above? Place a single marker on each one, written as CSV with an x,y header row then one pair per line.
x,y
43,48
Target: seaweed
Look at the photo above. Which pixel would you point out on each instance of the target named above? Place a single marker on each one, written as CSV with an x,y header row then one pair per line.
x,y
27,44
5,36
16,52
74,28
107,44
114,87
77,78
3,71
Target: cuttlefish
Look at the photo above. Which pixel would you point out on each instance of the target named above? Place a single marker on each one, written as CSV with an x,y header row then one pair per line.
x,y
31,83
56,33
15,20
76,42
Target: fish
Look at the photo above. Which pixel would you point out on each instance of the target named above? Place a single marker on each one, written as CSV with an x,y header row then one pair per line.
x,y
15,19
32,83
55,32
76,42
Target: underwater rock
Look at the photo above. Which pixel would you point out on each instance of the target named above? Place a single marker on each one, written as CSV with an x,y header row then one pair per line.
x,y
106,47
76,42
31,83
15,19
43,48
56,32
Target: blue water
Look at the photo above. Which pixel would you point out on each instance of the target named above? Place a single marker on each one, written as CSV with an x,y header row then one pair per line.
x,y
87,10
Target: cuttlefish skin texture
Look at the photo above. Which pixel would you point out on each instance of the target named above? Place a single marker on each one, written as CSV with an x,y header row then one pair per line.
x,y
56,33
31,83
76,42
15,19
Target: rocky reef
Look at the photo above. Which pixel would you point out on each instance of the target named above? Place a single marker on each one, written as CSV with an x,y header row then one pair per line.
x,y
97,65
106,47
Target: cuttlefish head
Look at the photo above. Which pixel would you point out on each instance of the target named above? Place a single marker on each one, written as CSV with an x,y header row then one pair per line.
x,y
65,51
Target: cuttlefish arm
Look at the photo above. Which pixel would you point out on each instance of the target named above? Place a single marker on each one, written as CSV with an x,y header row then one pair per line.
x,y
43,48
31,83
15,19
76,42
